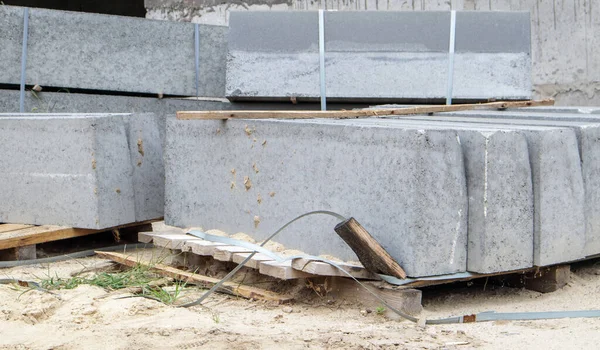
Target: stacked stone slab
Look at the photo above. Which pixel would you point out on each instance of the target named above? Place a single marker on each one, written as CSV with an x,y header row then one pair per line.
x,y
587,128
77,50
86,171
378,56
405,185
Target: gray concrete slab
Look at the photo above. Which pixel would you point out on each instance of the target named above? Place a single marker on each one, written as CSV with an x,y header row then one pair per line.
x,y
560,235
398,55
69,170
406,186
587,129
113,53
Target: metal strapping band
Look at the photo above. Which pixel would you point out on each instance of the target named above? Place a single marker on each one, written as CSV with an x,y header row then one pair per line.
x,y
451,57
197,58
24,59
322,59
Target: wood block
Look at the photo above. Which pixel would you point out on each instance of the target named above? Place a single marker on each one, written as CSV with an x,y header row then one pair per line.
x,y
253,263
225,253
283,270
201,247
405,300
324,269
548,279
20,253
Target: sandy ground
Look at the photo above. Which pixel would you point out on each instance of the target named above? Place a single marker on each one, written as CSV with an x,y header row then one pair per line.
x,y
89,317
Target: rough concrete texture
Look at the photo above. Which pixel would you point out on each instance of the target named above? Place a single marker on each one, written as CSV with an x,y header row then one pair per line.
x,y
560,235
406,186
113,53
380,47
145,154
500,195
65,170
565,49
587,129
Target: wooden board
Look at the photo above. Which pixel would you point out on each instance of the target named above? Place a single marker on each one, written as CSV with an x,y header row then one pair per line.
x,y
48,233
200,247
283,270
12,227
254,262
148,237
204,281
324,269
207,115
225,252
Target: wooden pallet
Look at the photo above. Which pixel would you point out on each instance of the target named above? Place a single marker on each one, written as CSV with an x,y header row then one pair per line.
x,y
17,241
543,279
288,270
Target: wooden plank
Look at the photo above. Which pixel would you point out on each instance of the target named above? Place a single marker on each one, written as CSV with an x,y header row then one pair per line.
x,y
147,237
283,270
206,115
254,262
12,227
225,253
323,269
49,233
201,247
204,281
173,241
370,253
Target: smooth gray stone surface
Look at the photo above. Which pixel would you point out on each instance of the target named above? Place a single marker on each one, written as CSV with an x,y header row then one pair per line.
x,y
375,56
68,170
560,234
405,186
113,53
587,129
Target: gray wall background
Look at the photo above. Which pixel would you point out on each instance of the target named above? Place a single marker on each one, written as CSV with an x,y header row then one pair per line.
x,y
565,51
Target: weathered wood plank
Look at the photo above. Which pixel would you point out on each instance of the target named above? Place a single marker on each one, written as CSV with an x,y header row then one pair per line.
x,y
12,227
254,262
283,270
324,269
201,280
207,115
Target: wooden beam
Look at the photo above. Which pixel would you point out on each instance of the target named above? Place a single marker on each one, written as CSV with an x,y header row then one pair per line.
x,y
369,252
323,269
49,233
204,281
12,227
358,113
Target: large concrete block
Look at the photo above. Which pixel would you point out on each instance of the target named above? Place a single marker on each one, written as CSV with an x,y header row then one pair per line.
x,y
67,170
405,185
587,129
378,56
112,53
560,235
145,147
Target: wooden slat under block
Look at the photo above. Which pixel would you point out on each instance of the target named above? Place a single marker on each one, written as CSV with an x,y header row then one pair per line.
x,y
225,253
147,237
173,241
324,269
254,262
201,247
283,270
201,280
12,227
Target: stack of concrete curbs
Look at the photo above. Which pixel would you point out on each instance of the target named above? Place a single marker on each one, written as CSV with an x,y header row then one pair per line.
x,y
402,56
80,170
74,50
406,185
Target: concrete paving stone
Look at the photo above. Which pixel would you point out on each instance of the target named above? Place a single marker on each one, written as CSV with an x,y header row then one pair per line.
x,y
406,186
68,170
560,235
76,50
377,56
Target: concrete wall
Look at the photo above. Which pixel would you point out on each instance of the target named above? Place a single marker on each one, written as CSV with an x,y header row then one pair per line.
x,y
565,51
